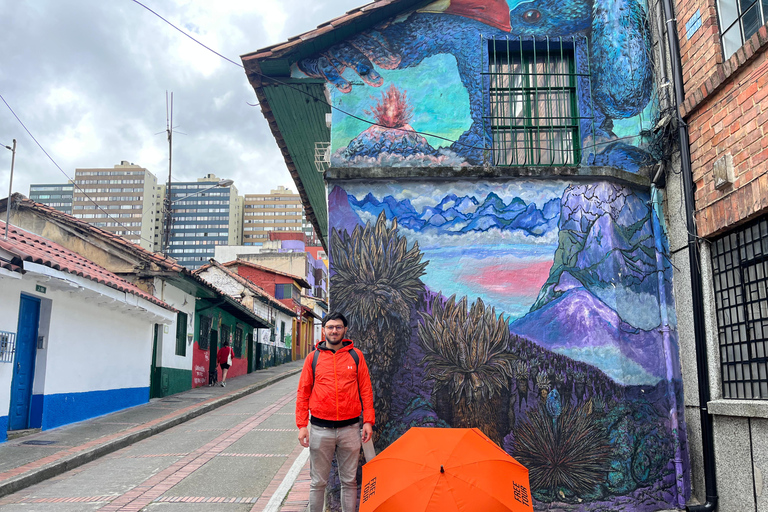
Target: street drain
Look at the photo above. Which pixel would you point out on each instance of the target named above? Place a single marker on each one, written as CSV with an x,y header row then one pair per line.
x,y
38,443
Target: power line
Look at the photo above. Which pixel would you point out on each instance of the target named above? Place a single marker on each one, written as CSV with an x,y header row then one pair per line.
x,y
65,174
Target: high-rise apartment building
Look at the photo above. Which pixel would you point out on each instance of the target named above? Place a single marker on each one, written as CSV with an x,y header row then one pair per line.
x,y
280,210
55,195
122,200
203,215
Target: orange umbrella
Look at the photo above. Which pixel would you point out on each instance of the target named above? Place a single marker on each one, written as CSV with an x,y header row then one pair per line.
x,y
444,470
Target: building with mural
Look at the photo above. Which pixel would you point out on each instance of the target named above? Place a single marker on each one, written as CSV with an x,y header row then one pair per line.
x,y
493,211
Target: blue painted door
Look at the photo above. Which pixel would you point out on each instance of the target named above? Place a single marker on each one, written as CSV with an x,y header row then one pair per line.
x,y
24,365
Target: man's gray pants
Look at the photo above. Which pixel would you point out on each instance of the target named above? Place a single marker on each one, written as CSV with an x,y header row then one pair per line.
x,y
345,442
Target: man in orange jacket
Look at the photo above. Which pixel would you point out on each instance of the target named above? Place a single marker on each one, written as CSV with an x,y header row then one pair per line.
x,y
335,387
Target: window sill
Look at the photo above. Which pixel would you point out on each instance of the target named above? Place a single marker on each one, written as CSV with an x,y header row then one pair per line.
x,y
742,408
723,73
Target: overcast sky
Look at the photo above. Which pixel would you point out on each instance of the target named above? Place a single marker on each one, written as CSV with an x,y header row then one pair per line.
x,y
88,78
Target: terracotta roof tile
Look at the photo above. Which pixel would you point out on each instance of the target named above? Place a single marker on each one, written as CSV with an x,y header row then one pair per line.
x,y
22,202
36,249
258,290
251,264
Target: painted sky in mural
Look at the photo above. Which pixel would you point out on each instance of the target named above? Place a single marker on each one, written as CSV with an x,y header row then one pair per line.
x,y
435,57
498,242
486,240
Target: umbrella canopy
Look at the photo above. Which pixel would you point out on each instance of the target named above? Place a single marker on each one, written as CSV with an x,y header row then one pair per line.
x,y
445,470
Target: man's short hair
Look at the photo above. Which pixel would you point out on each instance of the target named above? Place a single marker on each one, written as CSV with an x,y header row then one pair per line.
x,y
335,316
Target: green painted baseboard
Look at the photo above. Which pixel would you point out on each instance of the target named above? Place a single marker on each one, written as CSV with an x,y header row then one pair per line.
x,y
168,381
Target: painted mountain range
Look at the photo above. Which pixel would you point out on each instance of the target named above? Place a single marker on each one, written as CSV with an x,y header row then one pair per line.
x,y
455,215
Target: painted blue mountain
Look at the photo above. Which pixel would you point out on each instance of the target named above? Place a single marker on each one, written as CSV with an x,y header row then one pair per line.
x,y
454,215
607,286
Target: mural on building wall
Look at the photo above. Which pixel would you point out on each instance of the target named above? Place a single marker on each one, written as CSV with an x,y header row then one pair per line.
x,y
420,77
538,311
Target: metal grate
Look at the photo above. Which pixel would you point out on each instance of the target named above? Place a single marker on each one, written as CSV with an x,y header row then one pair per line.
x,y
532,108
7,346
181,334
204,340
238,344
740,274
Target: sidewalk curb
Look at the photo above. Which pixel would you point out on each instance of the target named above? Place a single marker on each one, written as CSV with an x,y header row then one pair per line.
x,y
68,463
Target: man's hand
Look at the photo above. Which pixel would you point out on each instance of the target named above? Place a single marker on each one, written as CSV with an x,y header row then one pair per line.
x,y
304,437
367,432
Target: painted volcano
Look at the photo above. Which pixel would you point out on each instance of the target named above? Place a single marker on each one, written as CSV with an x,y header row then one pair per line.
x,y
391,134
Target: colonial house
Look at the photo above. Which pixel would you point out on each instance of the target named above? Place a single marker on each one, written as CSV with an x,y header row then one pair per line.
x,y
75,338
268,346
487,177
182,350
286,288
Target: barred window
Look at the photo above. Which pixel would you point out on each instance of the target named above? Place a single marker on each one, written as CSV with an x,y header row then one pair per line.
x,y
740,274
225,331
204,340
533,105
238,344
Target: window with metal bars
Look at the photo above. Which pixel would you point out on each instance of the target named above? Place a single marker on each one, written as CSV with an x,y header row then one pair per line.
x,y
740,275
181,334
225,331
532,103
238,344
739,20
204,340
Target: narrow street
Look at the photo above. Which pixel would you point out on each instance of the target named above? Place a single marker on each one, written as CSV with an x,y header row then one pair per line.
x,y
233,458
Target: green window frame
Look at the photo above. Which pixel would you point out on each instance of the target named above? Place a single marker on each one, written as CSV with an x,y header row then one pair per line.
x,y
181,334
532,107
204,341
238,343
225,330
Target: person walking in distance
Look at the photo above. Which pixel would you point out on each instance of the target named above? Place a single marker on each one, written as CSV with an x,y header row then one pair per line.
x,y
224,358
335,387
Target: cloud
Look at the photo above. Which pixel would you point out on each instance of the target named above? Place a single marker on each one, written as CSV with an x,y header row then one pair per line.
x,y
89,78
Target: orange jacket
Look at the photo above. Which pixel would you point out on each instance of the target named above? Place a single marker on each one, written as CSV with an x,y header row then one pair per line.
x,y
335,393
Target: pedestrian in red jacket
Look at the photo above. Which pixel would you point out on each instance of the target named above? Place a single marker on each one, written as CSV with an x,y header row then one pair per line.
x,y
335,393
224,358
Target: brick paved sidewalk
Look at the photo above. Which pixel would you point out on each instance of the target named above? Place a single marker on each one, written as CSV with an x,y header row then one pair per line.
x,y
32,459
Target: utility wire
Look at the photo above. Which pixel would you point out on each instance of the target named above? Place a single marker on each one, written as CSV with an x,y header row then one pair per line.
x,y
129,228
594,145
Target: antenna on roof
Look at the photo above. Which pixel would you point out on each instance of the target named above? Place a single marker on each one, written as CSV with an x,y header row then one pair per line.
x,y
10,189
167,218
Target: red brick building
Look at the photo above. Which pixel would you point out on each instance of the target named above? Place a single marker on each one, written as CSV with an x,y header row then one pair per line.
x,y
724,57
287,289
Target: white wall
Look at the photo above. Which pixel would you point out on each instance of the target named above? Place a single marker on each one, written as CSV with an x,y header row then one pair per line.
x,y
11,288
184,302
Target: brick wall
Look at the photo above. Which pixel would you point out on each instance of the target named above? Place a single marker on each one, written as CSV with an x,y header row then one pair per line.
x,y
728,114
699,47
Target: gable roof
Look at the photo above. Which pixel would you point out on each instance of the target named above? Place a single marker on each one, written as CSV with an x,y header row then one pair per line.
x,y
256,289
238,262
284,100
29,247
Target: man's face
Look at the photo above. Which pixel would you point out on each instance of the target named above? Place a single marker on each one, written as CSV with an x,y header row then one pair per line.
x,y
334,331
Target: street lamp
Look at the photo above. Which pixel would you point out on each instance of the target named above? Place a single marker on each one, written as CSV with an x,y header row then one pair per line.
x,y
10,189
169,215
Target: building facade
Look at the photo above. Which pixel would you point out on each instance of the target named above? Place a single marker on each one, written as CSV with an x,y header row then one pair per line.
x,y
724,56
203,216
57,196
122,200
279,211
496,229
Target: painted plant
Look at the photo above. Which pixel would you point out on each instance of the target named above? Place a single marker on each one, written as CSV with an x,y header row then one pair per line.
x,y
557,347
376,283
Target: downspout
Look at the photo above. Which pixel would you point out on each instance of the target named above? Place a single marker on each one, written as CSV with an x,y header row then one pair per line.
x,y
694,261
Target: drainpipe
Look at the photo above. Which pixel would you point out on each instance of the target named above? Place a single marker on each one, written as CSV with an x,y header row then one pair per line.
x,y
694,260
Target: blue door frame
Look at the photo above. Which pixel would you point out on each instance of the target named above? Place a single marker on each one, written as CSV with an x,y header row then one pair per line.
x,y
24,365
